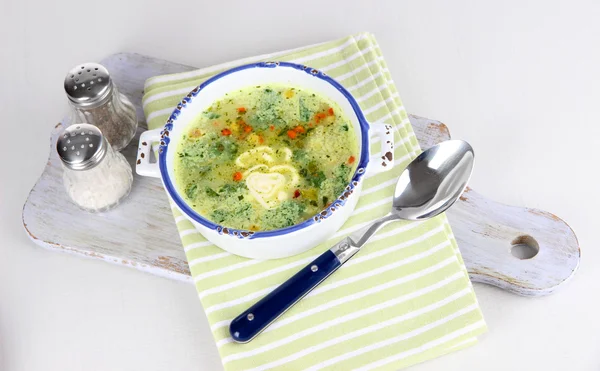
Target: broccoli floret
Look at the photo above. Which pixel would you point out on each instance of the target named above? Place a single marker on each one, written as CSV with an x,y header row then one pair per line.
x,y
313,174
227,190
268,111
305,112
223,147
239,214
338,188
210,192
299,155
219,216
211,115
191,190
341,179
200,154
231,188
335,185
342,172
308,105
316,178
285,215
196,164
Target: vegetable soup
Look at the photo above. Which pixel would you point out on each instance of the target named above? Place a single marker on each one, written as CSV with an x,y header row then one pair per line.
x,y
266,157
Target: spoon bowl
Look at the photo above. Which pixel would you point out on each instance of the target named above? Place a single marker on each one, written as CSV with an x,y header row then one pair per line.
x,y
433,181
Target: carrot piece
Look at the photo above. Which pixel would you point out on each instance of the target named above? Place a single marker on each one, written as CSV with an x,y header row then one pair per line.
x,y
299,129
261,140
297,193
226,132
351,159
241,110
320,116
292,134
330,111
272,127
247,128
237,176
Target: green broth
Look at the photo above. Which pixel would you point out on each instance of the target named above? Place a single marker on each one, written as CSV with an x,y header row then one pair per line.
x,y
265,158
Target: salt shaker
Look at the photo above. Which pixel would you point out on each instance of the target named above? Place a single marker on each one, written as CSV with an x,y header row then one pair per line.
x,y
95,99
95,176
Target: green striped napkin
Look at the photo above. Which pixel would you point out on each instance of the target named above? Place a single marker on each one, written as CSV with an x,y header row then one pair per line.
x,y
404,299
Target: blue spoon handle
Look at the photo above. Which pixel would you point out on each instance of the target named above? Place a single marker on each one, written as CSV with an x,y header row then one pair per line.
x,y
256,318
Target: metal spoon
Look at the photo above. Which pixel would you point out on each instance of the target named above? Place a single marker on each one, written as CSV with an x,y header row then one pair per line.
x,y
428,186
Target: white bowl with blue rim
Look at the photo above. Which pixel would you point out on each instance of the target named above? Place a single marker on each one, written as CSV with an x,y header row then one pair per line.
x,y
288,241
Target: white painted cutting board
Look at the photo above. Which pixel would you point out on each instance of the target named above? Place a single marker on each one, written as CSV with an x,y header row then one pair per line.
x,y
141,232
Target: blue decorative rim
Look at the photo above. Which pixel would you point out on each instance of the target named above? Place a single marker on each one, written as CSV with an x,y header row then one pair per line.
x,y
239,233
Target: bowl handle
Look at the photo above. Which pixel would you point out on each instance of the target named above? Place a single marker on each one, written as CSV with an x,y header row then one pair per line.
x,y
385,160
143,166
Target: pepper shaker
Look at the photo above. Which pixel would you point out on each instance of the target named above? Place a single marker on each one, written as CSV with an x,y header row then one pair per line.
x,y
95,99
95,177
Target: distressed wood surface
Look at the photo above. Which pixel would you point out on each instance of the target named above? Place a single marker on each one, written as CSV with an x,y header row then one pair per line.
x,y
141,232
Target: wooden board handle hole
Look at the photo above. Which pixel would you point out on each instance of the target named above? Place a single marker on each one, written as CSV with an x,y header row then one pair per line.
x,y
524,247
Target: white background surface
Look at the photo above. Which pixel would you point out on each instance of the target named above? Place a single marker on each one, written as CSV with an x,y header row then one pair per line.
x,y
519,80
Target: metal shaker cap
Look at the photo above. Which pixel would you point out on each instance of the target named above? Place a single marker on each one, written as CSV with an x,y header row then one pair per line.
x,y
81,146
88,85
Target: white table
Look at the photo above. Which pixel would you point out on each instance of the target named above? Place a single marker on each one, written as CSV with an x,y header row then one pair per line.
x,y
531,71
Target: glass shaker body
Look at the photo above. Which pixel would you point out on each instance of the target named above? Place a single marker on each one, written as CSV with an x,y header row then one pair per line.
x,y
95,181
96,100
